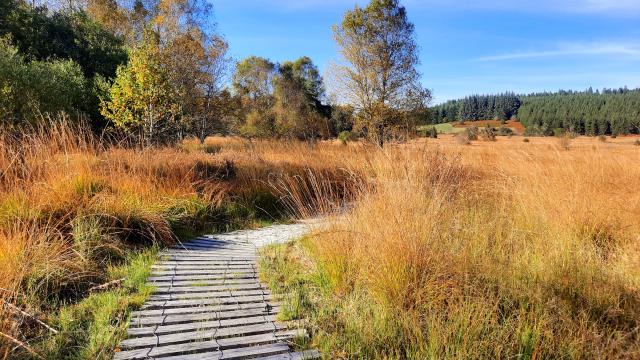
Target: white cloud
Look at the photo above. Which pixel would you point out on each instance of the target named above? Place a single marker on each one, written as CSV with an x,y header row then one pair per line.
x,y
627,50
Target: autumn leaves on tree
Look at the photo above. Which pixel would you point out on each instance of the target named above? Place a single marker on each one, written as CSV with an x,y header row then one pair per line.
x,y
378,72
172,85
156,71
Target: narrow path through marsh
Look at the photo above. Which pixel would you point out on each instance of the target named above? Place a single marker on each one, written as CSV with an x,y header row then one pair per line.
x,y
208,302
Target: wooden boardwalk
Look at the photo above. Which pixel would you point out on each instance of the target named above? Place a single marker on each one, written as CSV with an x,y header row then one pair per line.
x,y
209,304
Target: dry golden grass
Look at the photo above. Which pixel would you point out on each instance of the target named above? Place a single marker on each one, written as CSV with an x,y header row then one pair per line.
x,y
71,206
488,250
494,250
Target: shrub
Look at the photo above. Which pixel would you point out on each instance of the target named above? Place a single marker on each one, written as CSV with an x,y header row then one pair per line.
x,y
29,88
505,131
602,138
535,130
637,142
433,133
472,133
346,136
488,134
526,140
468,135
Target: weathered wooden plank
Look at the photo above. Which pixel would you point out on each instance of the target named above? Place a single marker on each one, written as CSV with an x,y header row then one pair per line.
x,y
203,309
206,301
213,246
212,288
181,258
208,261
219,241
201,252
240,353
216,345
210,251
229,269
208,295
184,318
203,272
222,276
206,266
210,254
201,335
225,241
160,285
199,325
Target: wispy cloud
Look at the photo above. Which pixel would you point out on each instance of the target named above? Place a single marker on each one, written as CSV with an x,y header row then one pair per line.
x,y
628,50
610,5
599,7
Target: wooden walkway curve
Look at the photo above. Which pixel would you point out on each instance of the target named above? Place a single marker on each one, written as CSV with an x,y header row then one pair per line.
x,y
209,304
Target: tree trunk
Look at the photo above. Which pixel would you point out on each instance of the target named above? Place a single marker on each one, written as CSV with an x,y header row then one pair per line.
x,y
380,135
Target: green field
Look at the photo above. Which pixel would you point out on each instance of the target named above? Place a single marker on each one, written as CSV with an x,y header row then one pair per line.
x,y
446,128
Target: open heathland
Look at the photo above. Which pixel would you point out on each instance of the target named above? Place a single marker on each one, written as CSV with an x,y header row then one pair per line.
x,y
505,249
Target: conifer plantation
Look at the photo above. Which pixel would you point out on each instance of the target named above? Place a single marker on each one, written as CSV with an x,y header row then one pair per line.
x,y
606,112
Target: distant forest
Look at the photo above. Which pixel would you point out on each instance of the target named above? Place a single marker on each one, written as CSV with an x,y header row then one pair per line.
x,y
590,112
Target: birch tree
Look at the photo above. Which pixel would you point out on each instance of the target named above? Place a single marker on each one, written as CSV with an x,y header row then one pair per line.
x,y
142,100
378,71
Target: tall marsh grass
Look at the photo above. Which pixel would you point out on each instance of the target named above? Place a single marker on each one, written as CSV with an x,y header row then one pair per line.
x,y
481,253
73,206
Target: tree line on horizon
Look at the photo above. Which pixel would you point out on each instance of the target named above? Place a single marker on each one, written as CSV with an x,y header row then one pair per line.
x,y
158,71
589,112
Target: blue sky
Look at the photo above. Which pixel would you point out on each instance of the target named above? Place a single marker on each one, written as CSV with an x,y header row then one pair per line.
x,y
466,47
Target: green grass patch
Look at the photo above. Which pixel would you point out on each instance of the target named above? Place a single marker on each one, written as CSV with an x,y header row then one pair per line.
x,y
296,285
92,328
280,269
337,326
446,128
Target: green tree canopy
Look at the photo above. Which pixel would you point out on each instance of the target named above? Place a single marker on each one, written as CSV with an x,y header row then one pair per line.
x,y
142,100
43,35
380,56
31,88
